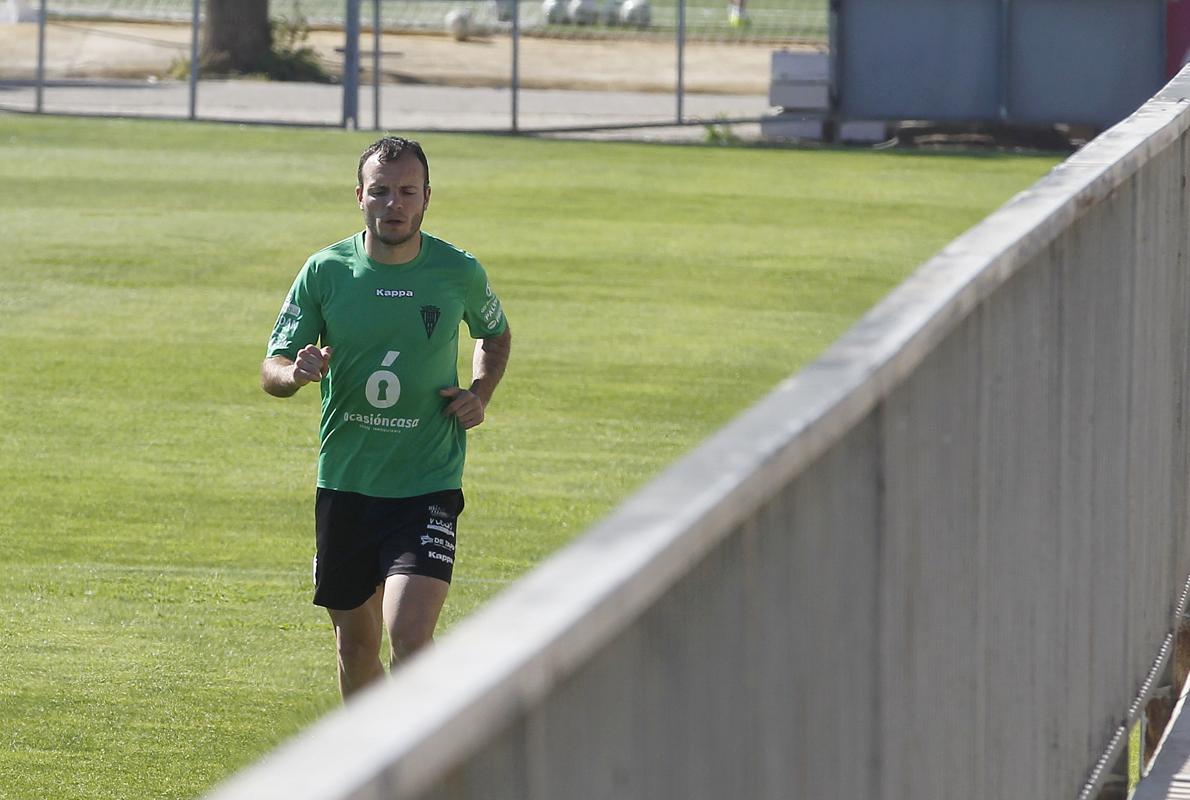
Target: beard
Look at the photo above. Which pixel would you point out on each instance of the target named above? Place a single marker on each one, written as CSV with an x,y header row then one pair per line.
x,y
374,229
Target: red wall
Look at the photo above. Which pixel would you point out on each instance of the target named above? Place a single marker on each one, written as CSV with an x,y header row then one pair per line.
x,y
1177,36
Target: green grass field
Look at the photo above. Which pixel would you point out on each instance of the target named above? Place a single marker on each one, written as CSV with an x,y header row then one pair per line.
x,y
156,523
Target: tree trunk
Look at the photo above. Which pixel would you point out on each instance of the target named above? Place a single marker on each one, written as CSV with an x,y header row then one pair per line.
x,y
236,36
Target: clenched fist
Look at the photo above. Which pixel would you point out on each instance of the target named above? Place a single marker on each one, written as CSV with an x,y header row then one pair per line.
x,y
311,364
465,405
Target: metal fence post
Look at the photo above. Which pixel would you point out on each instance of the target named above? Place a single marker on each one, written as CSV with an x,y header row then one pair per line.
x,y
681,56
194,65
516,56
351,65
41,11
1004,74
375,65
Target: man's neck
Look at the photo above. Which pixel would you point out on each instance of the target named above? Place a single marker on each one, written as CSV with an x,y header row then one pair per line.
x,y
402,253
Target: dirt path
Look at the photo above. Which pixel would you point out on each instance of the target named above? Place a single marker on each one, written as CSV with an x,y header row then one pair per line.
x,y
130,50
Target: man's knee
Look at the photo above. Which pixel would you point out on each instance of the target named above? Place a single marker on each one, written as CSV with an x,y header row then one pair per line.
x,y
356,647
412,604
406,639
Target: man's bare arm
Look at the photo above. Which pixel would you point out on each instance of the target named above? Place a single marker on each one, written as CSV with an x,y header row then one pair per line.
x,y
281,376
488,363
487,368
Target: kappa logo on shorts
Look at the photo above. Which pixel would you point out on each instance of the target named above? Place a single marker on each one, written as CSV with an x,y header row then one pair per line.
x,y
434,554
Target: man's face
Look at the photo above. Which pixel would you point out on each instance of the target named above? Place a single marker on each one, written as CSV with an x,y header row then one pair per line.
x,y
393,198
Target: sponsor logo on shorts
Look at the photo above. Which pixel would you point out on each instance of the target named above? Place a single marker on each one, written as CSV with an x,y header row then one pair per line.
x,y
441,521
437,541
434,554
394,293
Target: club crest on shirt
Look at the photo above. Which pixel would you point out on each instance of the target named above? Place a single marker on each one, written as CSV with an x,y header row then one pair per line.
x,y
429,318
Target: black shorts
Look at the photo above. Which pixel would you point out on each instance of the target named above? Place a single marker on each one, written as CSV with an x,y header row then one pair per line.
x,y
362,540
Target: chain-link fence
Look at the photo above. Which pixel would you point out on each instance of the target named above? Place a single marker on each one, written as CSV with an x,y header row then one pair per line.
x,y
421,64
780,20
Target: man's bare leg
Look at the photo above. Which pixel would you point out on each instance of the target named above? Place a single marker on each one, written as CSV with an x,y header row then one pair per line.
x,y
357,642
412,604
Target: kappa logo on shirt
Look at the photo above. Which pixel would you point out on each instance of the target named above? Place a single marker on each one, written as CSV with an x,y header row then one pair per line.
x,y
394,293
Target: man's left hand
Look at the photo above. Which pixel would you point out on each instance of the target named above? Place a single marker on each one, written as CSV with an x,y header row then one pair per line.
x,y
465,405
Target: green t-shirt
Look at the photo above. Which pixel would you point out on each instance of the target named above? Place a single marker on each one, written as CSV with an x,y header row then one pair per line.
x,y
395,334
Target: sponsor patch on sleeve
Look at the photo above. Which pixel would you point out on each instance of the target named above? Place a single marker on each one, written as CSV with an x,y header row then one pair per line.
x,y
491,311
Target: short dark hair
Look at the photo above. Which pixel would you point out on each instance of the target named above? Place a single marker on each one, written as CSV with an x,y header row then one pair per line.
x,y
390,148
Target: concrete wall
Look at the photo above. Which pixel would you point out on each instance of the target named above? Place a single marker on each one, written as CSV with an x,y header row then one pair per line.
x,y
940,562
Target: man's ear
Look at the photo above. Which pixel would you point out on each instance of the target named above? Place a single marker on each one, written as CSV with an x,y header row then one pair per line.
x,y
359,196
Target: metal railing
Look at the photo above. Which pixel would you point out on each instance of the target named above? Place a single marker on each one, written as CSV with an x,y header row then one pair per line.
x,y
617,77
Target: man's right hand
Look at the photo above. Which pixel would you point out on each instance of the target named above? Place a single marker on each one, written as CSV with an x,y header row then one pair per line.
x,y
311,364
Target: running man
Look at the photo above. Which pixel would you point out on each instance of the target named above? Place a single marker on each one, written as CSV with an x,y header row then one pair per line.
x,y
374,320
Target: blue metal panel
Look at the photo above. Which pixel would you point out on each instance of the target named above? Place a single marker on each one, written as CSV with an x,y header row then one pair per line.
x,y
918,59
1022,61
1088,61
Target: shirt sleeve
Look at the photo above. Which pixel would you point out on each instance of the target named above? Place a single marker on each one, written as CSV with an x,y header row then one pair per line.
x,y
300,322
482,312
